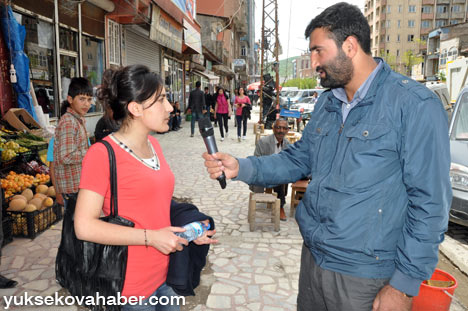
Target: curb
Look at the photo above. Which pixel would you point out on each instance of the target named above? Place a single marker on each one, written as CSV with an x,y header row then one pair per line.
x,y
456,252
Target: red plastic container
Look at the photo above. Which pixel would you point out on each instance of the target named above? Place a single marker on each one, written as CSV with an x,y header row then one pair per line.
x,y
432,298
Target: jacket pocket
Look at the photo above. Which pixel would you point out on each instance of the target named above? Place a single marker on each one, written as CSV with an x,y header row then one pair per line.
x,y
366,152
316,140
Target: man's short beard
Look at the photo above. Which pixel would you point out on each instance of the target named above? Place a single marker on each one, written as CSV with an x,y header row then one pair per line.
x,y
338,72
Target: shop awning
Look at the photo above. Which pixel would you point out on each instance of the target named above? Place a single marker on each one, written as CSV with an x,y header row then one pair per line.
x,y
210,77
224,70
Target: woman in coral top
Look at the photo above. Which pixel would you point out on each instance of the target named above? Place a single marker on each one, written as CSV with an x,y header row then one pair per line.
x,y
145,185
243,107
222,112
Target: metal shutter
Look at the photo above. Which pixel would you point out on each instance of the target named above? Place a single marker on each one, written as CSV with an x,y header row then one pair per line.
x,y
141,50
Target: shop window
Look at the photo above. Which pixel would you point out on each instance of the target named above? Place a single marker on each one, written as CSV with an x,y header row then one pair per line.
x,y
93,64
114,42
67,40
39,47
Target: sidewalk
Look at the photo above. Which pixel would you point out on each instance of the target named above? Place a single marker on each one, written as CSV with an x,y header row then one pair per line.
x,y
246,271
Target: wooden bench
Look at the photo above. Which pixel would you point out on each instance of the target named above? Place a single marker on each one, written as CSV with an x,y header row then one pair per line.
x,y
297,192
273,203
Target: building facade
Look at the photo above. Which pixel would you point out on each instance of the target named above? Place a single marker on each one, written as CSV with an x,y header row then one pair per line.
x,y
400,28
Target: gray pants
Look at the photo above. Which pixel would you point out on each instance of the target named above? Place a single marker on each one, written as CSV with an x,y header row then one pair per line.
x,y
324,290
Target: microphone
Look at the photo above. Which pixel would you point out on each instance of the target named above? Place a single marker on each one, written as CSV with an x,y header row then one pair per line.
x,y
207,132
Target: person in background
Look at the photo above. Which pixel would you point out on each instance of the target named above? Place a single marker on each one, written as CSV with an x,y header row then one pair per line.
x,y
273,144
223,112
196,105
174,121
146,185
43,101
377,206
105,125
233,106
71,138
209,102
243,107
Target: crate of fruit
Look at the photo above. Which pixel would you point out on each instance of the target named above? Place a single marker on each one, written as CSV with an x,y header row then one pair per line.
x,y
30,224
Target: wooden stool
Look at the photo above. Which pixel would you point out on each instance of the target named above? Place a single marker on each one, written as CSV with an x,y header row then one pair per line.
x,y
297,191
272,201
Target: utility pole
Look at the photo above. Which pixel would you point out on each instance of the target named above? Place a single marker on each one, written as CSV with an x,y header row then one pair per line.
x,y
269,51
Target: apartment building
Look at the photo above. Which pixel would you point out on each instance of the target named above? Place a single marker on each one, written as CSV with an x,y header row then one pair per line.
x,y
400,28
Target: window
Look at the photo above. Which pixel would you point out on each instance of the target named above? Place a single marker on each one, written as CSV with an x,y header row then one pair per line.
x,y
397,52
440,23
399,23
454,22
114,42
388,52
426,24
388,9
455,8
388,38
243,50
388,23
441,9
411,8
398,38
411,23
424,39
426,9
93,63
410,38
400,8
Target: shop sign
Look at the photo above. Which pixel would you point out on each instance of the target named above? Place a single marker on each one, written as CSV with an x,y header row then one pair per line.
x,y
164,32
192,37
188,7
187,65
198,58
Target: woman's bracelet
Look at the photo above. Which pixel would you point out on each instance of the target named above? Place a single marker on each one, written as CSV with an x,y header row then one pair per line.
x,y
146,240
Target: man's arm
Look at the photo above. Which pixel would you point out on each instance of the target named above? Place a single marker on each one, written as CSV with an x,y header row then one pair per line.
x,y
425,159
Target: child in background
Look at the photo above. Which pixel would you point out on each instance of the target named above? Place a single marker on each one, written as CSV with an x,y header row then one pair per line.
x,y
71,139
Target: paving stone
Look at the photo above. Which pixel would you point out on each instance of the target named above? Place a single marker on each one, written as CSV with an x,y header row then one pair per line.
x,y
263,279
39,285
219,302
223,289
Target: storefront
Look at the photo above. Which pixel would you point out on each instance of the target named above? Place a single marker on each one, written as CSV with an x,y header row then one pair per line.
x,y
80,48
140,50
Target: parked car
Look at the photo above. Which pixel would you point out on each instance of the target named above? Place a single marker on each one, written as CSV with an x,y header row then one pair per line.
x,y
295,96
305,105
458,132
441,90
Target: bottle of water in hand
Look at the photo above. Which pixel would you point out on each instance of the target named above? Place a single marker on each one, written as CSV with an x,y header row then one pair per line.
x,y
193,231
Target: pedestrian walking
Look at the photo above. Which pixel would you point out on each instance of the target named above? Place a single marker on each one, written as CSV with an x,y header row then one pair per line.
x,y
377,149
196,106
222,112
243,107
138,100
233,106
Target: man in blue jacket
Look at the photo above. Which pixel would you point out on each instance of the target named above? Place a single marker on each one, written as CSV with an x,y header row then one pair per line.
x,y
377,149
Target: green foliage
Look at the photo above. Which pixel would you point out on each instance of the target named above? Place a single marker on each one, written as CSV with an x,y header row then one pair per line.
x,y
409,59
442,76
301,83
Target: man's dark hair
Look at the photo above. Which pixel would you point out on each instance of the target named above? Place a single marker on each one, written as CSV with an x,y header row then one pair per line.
x,y
206,88
197,84
343,20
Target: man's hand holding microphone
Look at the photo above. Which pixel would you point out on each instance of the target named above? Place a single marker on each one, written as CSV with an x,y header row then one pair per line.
x,y
220,162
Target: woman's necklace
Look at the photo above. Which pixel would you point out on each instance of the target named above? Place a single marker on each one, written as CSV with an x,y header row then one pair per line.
x,y
152,163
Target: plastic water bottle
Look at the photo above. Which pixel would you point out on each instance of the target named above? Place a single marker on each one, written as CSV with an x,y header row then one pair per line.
x,y
193,230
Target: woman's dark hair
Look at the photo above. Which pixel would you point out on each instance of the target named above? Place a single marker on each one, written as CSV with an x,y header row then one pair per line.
x,y
78,86
132,83
343,20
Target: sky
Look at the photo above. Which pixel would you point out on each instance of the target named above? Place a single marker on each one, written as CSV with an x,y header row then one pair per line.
x,y
301,13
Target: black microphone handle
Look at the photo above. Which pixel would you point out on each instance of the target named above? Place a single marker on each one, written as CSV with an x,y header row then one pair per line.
x,y
210,144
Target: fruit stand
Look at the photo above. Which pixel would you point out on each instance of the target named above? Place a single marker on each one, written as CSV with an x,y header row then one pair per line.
x,y
28,205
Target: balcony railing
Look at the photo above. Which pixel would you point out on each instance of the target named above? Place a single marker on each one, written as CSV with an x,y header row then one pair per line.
x,y
443,1
215,47
426,2
457,15
442,15
427,16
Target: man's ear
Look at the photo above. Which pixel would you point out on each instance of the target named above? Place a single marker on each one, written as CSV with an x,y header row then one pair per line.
x,y
135,109
350,46
69,99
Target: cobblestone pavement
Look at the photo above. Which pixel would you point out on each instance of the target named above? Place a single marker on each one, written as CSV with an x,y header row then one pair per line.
x,y
245,271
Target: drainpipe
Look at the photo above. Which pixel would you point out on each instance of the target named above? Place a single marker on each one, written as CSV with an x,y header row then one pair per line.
x,y
57,53
80,42
106,5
